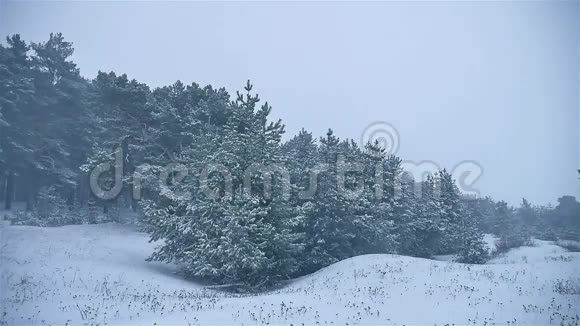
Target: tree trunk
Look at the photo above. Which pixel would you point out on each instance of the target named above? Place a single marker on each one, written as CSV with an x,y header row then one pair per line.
x,y
83,193
71,196
31,190
9,191
2,185
134,204
29,201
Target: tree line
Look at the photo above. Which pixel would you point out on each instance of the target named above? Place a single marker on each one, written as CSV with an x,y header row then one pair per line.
x,y
56,127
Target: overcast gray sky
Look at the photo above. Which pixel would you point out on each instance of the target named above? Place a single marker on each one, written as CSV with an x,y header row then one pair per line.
x,y
493,82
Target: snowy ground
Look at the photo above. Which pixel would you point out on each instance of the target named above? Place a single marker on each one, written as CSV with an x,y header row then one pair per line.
x,y
96,275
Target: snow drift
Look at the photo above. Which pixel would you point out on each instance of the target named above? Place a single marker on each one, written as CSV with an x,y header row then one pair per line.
x,y
97,275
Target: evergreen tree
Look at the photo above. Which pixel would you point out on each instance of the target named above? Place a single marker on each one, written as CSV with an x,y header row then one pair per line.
x,y
411,228
327,240
471,246
509,227
42,104
450,213
427,227
244,236
16,93
380,200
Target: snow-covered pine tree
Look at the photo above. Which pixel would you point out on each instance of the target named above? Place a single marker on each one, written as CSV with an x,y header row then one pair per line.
x,y
409,225
123,121
16,92
42,99
471,247
301,153
450,214
509,228
380,200
527,218
484,213
327,238
427,226
242,236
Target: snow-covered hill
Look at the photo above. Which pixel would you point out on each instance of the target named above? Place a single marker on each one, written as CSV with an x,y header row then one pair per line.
x,y
97,275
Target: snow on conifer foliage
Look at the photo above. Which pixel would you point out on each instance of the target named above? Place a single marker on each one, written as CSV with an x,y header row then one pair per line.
x,y
243,234
237,235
